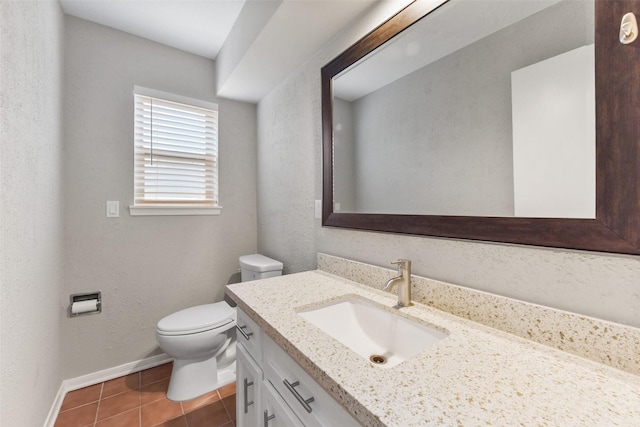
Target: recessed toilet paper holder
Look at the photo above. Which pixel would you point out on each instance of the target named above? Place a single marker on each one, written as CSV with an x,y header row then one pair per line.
x,y
86,303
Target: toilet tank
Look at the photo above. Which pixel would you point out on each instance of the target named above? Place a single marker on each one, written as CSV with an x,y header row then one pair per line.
x,y
256,266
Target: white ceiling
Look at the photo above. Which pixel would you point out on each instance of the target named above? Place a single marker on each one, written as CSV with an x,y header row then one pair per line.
x,y
287,34
196,26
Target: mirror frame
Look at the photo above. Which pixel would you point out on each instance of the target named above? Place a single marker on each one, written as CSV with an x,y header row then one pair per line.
x,y
616,227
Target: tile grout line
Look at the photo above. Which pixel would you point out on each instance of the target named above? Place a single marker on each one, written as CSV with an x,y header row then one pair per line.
x,y
186,420
95,419
224,405
139,398
184,415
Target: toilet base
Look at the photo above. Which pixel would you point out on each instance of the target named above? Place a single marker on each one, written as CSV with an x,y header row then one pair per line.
x,y
193,378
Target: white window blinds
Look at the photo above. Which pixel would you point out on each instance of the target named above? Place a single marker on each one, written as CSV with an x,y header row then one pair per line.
x,y
176,150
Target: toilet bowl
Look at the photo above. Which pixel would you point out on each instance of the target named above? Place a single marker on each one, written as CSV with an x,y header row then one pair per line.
x,y
202,339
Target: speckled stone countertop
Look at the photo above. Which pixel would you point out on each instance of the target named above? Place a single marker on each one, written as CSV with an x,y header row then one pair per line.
x,y
476,376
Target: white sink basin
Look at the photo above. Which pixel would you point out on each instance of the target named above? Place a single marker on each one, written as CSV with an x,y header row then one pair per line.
x,y
374,333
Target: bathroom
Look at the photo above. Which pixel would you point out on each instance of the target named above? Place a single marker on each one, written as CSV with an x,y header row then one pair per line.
x,y
56,240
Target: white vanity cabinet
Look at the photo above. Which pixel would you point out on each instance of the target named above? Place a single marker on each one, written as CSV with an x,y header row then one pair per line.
x,y
248,372
248,389
275,411
273,390
249,335
314,406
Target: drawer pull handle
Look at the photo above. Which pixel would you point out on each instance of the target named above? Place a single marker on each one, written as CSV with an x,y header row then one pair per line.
x,y
268,418
244,334
246,395
303,402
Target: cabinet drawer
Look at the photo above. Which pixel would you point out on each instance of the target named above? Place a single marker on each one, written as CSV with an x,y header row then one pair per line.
x,y
250,335
307,399
275,412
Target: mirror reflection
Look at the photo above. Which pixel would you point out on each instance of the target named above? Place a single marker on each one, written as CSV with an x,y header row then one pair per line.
x,y
482,108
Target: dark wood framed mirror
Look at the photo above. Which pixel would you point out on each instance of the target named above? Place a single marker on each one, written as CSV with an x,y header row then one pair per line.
x,y
616,226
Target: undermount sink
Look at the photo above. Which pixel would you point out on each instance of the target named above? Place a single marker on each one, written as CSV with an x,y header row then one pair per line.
x,y
374,333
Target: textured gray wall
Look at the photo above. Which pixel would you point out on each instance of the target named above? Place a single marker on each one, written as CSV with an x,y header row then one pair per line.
x,y
31,210
286,178
590,283
146,267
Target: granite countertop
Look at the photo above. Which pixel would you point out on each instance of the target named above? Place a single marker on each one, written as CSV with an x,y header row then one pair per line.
x,y
477,375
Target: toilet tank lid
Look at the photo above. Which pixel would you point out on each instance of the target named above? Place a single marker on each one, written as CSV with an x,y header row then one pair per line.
x,y
197,319
261,263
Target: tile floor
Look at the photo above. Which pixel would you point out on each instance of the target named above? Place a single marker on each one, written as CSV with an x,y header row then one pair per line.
x,y
139,400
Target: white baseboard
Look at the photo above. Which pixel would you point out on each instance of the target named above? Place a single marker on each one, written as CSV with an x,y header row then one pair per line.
x,y
55,407
98,377
115,372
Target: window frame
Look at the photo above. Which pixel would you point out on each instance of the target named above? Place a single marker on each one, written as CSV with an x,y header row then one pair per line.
x,y
177,207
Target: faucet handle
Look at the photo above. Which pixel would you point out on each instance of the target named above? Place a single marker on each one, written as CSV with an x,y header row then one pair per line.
x,y
402,264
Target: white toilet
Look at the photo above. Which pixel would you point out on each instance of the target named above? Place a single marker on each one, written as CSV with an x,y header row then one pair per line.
x,y
202,339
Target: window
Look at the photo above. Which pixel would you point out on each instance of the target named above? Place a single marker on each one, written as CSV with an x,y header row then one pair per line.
x,y
175,155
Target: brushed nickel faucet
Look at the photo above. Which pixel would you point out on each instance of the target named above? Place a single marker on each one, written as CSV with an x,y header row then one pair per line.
x,y
404,282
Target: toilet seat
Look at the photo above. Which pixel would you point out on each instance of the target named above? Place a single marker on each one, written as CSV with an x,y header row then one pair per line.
x,y
197,319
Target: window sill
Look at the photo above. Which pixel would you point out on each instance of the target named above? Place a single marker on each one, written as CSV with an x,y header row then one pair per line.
x,y
173,210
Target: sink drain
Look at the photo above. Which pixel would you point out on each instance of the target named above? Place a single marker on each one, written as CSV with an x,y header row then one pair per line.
x,y
377,359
